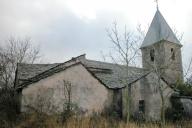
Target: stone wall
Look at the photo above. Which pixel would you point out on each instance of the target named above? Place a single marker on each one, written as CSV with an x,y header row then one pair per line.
x,y
87,92
159,55
146,89
152,96
175,69
172,68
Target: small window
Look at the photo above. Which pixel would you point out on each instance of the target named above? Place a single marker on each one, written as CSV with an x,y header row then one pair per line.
x,y
152,55
172,54
142,106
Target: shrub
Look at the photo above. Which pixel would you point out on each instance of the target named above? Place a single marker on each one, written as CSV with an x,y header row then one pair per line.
x,y
138,117
36,120
185,89
69,110
9,105
176,112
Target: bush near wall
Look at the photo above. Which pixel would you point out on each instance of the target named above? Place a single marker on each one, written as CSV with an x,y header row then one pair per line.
x,y
176,112
185,89
9,106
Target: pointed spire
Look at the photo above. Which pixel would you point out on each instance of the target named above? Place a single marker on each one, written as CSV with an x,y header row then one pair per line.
x,y
157,2
159,30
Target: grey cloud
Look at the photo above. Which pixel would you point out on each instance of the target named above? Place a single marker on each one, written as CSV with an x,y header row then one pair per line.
x,y
60,33
57,29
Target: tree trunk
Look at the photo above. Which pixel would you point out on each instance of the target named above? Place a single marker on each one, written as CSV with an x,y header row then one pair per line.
x,y
128,103
162,112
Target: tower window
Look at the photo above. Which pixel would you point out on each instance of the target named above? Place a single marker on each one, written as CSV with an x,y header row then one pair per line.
x,y
142,106
172,54
152,55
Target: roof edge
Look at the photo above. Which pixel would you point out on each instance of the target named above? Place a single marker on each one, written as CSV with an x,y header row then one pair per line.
x,y
44,75
161,41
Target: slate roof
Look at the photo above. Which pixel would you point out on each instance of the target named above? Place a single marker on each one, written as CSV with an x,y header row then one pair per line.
x,y
159,30
26,71
111,75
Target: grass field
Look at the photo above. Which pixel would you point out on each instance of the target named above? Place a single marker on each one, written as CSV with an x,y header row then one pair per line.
x,y
39,121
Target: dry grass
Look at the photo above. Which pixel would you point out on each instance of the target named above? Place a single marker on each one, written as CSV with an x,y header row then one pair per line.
x,y
36,121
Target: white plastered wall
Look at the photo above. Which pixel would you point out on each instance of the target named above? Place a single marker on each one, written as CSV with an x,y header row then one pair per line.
x,y
87,92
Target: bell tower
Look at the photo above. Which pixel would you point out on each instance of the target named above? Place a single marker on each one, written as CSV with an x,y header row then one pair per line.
x,y
162,50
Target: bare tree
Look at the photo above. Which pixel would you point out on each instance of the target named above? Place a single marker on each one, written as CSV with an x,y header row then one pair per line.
x,y
67,88
158,68
188,71
158,64
69,107
16,51
125,52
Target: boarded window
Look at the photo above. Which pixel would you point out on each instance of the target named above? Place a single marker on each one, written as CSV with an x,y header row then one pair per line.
x,y
172,54
142,106
152,54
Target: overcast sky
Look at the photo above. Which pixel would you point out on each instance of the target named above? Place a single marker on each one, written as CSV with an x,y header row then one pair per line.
x,y
68,28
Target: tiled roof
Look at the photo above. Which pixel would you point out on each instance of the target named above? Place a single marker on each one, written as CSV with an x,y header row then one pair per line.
x,y
26,71
111,75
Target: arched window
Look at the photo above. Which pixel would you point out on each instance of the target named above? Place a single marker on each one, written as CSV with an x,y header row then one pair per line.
x,y
172,54
152,54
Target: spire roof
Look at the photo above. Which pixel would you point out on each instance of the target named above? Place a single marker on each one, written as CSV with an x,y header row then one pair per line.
x,y
159,30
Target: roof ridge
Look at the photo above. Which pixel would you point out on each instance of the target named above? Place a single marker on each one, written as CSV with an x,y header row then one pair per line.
x,y
111,80
113,63
104,62
37,64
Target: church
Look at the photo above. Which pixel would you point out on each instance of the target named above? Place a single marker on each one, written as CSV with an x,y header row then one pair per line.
x,y
98,87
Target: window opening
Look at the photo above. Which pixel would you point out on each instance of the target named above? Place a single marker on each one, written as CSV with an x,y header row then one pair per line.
x,y
152,55
142,106
172,54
